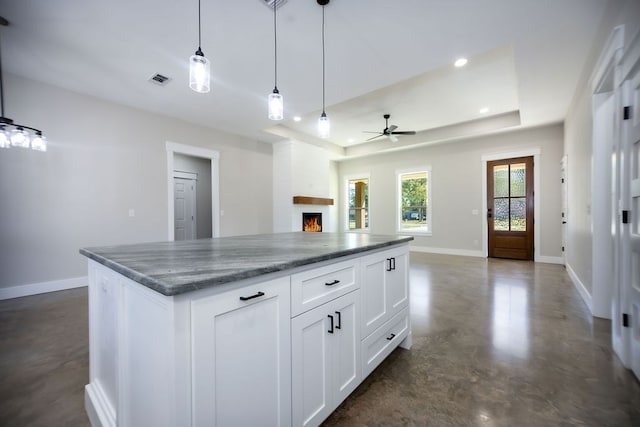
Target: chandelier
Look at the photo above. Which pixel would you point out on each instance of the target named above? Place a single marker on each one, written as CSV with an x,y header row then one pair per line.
x,y
13,134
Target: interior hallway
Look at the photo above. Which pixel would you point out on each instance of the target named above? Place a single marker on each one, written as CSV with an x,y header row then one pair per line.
x,y
495,343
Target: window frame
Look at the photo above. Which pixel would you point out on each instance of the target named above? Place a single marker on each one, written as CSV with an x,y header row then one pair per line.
x,y
399,174
347,180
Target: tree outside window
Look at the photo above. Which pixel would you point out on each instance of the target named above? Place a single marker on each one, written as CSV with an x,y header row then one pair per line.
x,y
414,202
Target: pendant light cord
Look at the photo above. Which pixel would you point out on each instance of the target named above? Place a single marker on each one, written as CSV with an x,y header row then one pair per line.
x,y
199,28
323,58
275,45
1,87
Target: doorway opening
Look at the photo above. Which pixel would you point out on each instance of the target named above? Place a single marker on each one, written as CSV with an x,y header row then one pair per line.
x,y
198,167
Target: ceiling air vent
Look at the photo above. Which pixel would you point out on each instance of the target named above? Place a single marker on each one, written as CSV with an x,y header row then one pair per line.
x,y
159,79
269,3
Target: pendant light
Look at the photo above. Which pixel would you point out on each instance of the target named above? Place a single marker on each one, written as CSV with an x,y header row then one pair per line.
x,y
276,102
324,127
199,66
12,134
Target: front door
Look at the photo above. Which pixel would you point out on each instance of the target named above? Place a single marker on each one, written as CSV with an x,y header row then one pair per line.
x,y
510,208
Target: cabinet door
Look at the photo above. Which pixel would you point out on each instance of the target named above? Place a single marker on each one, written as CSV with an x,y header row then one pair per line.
x,y
311,366
345,345
398,282
325,358
374,292
241,357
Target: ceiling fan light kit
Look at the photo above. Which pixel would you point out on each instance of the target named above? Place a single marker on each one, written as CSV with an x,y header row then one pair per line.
x,y
199,66
389,131
12,134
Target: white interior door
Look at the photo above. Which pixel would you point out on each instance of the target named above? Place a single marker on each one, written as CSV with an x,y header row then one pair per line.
x,y
565,204
631,205
184,205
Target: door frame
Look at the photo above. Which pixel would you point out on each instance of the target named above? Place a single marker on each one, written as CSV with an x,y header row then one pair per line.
x,y
535,153
214,157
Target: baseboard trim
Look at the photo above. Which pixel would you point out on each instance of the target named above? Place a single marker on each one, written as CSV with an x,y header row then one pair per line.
x,y
445,251
551,259
42,287
98,408
582,290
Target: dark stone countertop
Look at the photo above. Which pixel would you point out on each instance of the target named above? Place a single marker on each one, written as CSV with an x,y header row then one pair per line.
x,y
173,268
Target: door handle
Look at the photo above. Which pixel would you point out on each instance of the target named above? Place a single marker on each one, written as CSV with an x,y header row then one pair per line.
x,y
338,326
259,294
388,264
330,330
335,282
390,337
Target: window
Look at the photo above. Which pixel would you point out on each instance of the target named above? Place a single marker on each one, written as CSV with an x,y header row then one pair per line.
x,y
414,201
357,202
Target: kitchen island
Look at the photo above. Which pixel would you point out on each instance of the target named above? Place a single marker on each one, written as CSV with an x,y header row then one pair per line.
x,y
263,330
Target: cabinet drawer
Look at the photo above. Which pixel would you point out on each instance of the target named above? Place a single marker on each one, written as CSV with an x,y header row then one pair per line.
x,y
312,288
377,346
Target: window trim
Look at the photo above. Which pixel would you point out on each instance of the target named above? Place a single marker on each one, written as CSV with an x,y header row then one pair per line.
x,y
398,204
345,217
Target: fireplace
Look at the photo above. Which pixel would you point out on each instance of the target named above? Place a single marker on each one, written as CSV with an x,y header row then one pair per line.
x,y
312,221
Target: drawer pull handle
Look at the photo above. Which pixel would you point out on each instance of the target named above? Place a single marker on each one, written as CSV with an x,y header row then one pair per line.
x,y
335,282
331,330
390,337
259,294
338,326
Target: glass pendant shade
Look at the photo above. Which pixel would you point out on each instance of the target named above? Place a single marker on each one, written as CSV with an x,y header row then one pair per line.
x,y
5,142
20,138
324,127
276,105
39,143
199,71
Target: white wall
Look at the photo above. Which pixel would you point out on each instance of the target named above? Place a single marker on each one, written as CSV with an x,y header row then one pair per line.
x,y
578,145
457,188
104,159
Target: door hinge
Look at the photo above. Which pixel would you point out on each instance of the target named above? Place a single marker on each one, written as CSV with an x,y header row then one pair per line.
x,y
625,320
625,217
626,112
563,249
562,180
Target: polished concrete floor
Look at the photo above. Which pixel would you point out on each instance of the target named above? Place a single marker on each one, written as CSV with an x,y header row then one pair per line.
x,y
495,343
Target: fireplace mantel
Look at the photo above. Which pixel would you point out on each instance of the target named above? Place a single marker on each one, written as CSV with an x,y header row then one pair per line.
x,y
305,200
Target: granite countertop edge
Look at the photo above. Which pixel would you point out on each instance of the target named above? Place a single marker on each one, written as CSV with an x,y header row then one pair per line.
x,y
173,290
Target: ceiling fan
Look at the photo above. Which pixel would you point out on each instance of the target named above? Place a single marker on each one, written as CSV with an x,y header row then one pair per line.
x,y
390,131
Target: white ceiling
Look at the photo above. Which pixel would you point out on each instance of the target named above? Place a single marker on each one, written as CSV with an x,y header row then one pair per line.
x,y
395,57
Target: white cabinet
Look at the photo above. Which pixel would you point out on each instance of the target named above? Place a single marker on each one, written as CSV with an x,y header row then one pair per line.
x,y
377,346
385,287
241,366
326,364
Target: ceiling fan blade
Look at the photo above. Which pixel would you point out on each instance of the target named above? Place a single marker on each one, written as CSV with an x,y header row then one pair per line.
x,y
370,131
374,137
391,128
393,138
405,132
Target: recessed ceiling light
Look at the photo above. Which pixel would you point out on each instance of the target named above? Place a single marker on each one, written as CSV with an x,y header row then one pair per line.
x,y
351,140
461,62
297,118
484,110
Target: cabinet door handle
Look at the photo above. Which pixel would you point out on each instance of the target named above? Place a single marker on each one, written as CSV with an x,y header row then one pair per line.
x,y
390,337
339,320
331,330
388,264
335,282
393,261
259,294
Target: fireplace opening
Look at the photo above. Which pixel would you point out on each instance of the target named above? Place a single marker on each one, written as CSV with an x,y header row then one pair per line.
x,y
312,221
